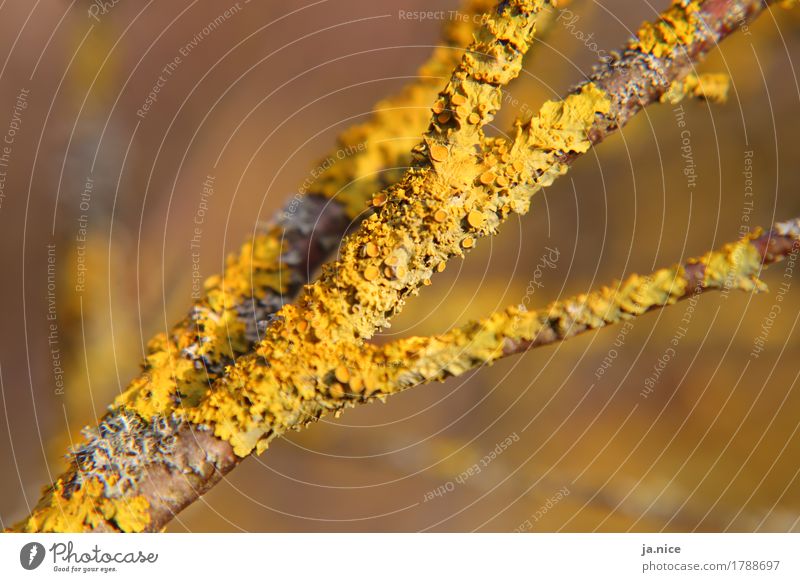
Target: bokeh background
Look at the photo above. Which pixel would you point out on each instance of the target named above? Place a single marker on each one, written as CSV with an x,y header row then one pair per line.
x,y
713,447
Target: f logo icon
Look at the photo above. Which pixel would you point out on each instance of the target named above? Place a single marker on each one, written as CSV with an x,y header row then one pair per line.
x,y
31,555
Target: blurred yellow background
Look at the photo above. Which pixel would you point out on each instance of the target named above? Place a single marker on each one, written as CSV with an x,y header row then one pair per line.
x,y
711,445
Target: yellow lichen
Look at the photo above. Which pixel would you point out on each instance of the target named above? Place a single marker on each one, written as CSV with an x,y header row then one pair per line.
x,y
562,125
736,265
129,515
675,27
475,219
215,333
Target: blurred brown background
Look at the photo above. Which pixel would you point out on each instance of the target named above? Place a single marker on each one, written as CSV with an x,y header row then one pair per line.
x,y
714,447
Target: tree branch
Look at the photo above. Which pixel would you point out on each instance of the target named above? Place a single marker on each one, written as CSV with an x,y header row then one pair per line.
x,y
150,458
409,362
